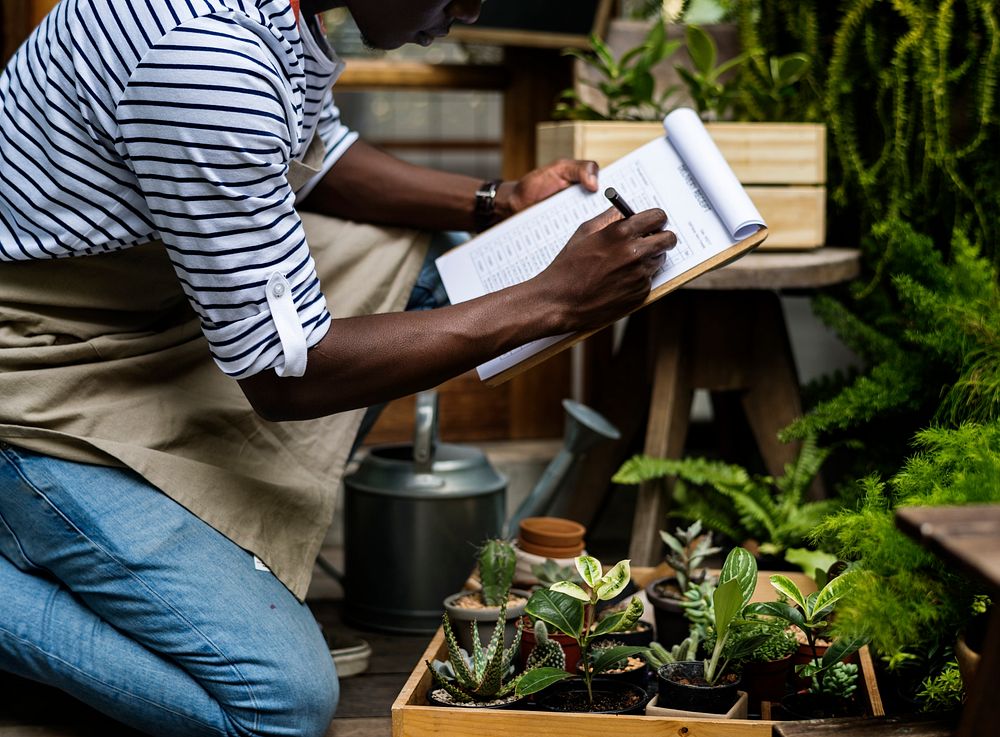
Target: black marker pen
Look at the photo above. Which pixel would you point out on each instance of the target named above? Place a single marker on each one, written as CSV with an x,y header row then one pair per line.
x,y
616,199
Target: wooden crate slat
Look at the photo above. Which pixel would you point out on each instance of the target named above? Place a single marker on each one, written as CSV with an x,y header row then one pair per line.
x,y
764,153
795,216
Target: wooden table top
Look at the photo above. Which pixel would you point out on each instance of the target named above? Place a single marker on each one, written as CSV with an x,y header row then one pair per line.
x,y
968,536
821,267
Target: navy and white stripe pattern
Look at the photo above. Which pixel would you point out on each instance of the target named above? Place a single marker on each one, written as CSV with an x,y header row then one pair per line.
x,y
124,121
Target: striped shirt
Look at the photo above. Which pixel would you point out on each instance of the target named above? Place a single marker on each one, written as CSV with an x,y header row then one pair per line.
x,y
125,121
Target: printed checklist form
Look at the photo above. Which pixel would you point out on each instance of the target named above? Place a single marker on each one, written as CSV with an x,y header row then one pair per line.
x,y
683,173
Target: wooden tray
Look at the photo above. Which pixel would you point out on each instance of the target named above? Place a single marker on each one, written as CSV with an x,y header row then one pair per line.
x,y
412,717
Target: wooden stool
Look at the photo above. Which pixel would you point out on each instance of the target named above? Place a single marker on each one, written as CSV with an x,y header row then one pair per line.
x,y
723,332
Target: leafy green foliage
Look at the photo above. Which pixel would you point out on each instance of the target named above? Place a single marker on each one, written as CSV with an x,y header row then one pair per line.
x,y
943,692
731,501
712,85
904,598
687,550
737,582
497,562
812,614
626,85
563,608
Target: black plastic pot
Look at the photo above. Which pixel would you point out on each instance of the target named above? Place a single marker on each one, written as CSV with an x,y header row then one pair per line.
x,y
672,627
571,696
434,699
672,694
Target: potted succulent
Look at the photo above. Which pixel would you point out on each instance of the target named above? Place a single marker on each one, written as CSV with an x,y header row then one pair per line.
x,y
482,679
658,656
571,609
766,669
828,679
474,608
708,686
686,552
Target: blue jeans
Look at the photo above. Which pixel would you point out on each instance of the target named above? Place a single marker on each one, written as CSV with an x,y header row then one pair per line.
x,y
119,596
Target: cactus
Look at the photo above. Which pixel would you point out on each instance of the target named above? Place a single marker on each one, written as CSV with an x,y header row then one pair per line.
x,y
657,655
546,653
841,681
496,571
481,677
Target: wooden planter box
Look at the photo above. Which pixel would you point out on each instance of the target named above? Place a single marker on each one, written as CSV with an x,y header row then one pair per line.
x,y
782,166
412,717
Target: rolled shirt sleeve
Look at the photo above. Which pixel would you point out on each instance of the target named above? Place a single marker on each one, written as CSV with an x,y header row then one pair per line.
x,y
207,124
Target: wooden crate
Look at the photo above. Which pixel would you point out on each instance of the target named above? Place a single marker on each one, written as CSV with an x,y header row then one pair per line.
x,y
412,717
782,166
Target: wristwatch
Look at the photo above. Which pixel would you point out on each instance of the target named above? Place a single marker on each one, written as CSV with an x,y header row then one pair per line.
x,y
486,203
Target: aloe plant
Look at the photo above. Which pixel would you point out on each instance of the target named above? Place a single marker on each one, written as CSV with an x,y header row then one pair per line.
x,y
572,609
482,677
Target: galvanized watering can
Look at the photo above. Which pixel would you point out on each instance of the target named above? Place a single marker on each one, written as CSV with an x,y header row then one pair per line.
x,y
414,515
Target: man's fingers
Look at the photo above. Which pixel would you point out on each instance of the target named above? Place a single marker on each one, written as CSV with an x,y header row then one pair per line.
x,y
584,172
600,222
647,222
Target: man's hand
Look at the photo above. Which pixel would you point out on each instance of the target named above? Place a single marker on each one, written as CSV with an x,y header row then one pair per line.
x,y
606,269
540,184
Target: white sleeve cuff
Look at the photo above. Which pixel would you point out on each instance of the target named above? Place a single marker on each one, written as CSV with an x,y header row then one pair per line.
x,y
289,327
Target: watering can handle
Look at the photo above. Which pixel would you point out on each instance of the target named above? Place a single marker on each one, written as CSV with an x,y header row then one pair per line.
x,y
425,430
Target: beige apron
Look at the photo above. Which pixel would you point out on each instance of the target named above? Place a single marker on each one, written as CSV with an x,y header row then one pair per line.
x,y
102,361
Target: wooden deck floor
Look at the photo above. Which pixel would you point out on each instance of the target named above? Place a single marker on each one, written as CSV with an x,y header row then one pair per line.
x,y
30,710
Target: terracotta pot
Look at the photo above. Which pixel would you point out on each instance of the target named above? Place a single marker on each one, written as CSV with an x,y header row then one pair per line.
x,y
672,627
548,551
485,618
552,532
569,646
766,681
673,694
968,661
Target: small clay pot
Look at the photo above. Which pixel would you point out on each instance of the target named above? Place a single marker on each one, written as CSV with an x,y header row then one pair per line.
x,y
640,636
570,647
547,551
639,675
551,532
766,681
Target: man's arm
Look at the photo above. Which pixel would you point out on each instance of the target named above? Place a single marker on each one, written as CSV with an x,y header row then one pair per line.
x,y
370,186
603,272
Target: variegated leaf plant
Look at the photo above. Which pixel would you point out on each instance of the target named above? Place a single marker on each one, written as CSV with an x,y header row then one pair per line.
x,y
572,608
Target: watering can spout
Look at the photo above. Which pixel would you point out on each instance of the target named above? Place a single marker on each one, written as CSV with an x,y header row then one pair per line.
x,y
585,429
